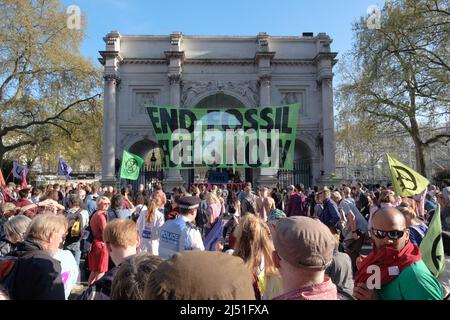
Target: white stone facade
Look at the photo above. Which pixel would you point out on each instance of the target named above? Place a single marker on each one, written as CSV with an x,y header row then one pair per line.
x,y
182,70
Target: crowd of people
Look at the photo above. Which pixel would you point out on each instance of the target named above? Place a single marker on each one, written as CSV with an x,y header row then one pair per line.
x,y
237,243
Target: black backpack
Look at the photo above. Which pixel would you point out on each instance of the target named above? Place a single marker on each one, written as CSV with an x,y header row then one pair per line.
x,y
202,218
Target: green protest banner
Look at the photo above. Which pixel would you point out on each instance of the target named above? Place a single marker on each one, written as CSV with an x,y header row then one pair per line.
x,y
262,137
131,165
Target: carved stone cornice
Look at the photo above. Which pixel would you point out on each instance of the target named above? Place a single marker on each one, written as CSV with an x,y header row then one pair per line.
x,y
326,55
109,54
264,80
292,62
246,89
175,54
174,78
112,77
144,61
220,61
264,55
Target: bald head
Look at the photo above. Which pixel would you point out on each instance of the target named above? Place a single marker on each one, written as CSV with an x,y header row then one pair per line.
x,y
390,219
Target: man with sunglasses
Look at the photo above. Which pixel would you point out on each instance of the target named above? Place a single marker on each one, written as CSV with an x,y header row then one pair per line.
x,y
394,269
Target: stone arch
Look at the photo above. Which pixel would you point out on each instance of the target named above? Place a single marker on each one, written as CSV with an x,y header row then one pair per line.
x,y
188,175
194,101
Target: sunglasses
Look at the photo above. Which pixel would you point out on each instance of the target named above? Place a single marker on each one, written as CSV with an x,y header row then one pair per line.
x,y
393,235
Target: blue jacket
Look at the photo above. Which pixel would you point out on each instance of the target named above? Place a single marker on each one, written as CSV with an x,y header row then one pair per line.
x,y
330,214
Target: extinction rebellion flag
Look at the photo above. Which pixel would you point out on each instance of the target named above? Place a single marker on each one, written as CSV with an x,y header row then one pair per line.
x,y
406,181
131,165
432,247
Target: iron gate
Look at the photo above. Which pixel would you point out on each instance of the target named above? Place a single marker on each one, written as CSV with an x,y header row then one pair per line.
x,y
300,173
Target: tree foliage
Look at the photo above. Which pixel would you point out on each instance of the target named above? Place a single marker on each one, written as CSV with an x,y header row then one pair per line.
x,y
398,75
48,90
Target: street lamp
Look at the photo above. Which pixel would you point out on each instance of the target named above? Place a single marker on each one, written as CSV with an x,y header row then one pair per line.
x,y
153,168
153,160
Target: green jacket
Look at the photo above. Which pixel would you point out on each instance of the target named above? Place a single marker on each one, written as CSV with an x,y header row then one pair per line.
x,y
415,282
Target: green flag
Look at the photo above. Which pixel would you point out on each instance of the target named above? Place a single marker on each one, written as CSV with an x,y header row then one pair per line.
x,y
432,247
405,180
131,164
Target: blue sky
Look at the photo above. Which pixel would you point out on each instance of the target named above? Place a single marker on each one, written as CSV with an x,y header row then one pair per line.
x,y
213,17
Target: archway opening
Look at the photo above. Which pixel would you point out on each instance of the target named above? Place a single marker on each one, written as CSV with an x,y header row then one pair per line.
x,y
151,170
302,167
218,101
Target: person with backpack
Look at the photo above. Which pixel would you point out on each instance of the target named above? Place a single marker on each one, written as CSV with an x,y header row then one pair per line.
x,y
78,219
122,241
36,275
248,203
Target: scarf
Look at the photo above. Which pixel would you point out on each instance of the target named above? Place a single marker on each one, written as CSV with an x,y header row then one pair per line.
x,y
386,258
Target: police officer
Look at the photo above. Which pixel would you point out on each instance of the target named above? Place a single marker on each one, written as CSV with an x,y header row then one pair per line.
x,y
181,233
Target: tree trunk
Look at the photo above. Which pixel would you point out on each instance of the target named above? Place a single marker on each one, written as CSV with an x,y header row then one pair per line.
x,y
420,158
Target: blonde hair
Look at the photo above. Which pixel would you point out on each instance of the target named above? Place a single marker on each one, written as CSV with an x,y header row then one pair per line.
x,y
102,199
408,212
16,227
253,240
153,206
120,233
212,198
44,225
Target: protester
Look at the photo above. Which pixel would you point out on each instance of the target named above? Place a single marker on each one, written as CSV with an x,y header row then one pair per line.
x,y
141,207
212,276
98,255
444,277
417,228
69,270
361,201
132,276
78,220
403,274
14,231
149,223
213,210
248,201
38,275
330,215
117,211
121,239
303,250
24,200
159,193
355,230
254,246
298,204
341,273
181,234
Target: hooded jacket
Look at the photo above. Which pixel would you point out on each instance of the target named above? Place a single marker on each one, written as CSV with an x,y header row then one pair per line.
x,y
38,275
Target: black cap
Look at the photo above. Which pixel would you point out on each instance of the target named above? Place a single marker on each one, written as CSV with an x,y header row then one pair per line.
x,y
189,202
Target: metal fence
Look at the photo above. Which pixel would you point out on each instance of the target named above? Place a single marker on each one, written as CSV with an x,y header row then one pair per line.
x,y
300,173
148,176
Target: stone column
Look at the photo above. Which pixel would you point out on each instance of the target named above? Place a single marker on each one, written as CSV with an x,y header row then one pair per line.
x,y
109,130
110,60
328,128
175,56
267,177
